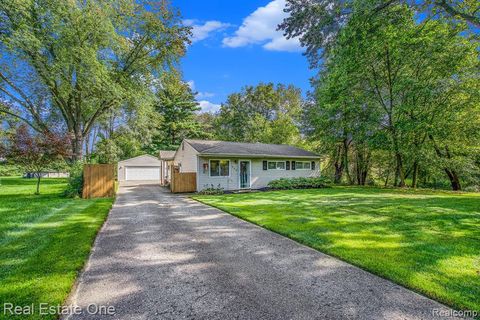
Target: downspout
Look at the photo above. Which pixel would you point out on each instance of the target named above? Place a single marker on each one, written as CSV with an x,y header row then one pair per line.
x,y
197,176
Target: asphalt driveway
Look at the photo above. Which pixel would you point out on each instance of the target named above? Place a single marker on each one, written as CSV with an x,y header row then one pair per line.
x,y
164,256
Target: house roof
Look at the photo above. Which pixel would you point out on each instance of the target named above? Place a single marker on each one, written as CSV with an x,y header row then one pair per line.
x,y
209,147
166,154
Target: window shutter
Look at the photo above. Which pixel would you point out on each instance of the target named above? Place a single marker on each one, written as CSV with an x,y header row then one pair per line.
x,y
293,165
288,165
264,165
313,165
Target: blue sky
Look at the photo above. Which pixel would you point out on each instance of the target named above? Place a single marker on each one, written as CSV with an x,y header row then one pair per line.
x,y
235,44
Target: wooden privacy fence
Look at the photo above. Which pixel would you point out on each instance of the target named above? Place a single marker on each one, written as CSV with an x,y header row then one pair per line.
x,y
183,181
98,181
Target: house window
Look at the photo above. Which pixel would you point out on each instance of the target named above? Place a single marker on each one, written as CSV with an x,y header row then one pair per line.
x,y
303,165
276,165
219,168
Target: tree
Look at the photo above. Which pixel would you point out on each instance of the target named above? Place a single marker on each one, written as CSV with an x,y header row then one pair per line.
x,y
36,152
175,102
263,113
318,22
388,84
83,58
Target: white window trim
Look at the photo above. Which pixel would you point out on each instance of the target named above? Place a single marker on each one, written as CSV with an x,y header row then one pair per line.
x,y
296,162
284,165
210,168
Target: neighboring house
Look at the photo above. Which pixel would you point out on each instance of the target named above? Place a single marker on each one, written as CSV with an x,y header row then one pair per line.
x,y
47,174
166,161
235,165
141,168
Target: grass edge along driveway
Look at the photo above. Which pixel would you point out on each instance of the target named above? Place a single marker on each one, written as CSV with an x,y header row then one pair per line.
x,y
45,241
424,240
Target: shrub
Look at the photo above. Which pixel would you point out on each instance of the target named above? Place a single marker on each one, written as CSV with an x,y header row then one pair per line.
x,y
75,181
472,189
10,170
298,183
211,190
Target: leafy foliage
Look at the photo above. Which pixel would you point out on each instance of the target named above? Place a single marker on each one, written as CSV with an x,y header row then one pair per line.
x,y
264,113
35,153
175,102
76,61
212,190
299,183
317,23
75,181
10,170
393,97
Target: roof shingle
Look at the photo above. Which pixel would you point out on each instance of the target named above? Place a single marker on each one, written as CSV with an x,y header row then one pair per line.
x,y
248,149
166,154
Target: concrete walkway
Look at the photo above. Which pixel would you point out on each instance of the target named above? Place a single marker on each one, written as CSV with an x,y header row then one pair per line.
x,y
164,256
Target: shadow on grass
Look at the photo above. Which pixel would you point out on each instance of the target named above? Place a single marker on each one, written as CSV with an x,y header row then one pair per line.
x,y
427,241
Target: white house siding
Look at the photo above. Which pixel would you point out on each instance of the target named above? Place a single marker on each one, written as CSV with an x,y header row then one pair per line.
x,y
259,178
186,158
227,183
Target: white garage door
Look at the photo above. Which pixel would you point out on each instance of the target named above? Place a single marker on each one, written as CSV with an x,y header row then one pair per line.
x,y
142,173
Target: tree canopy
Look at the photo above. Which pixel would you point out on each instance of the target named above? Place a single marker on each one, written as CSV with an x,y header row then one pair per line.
x,y
77,60
393,88
263,113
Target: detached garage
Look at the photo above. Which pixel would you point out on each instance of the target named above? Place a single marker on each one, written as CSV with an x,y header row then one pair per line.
x,y
141,168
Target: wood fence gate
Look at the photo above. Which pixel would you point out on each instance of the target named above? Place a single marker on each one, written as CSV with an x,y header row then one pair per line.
x,y
98,181
182,181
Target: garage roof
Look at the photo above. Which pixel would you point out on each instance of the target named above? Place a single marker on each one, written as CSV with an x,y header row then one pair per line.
x,y
145,160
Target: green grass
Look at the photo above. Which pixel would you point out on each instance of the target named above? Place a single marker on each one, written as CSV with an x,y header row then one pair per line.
x,y
44,241
425,240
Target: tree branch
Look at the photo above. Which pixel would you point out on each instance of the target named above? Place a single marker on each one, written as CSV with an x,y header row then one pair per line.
x,y
456,13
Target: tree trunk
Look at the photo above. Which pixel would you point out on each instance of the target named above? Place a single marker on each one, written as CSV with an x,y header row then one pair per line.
x,y
346,144
77,147
87,147
454,179
452,174
338,166
399,175
415,174
39,176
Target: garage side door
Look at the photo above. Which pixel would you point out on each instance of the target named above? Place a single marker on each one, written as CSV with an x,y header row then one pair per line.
x,y
142,173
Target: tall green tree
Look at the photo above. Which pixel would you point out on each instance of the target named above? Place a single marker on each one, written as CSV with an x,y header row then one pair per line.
x,y
87,57
263,113
394,85
175,102
317,23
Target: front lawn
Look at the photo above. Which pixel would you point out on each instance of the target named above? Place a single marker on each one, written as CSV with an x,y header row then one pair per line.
x,y
427,241
44,239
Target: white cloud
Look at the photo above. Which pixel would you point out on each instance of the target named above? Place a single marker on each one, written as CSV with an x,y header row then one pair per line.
x,y
260,27
201,95
201,31
207,106
191,84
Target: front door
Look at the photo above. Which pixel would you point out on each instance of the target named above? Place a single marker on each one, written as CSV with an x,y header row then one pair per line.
x,y
244,173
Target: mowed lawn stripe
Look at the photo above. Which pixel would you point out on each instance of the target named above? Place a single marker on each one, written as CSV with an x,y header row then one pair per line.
x,y
424,240
45,240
